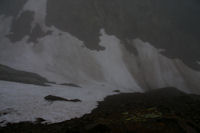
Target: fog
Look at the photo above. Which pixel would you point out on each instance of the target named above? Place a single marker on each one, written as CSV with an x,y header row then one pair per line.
x,y
98,49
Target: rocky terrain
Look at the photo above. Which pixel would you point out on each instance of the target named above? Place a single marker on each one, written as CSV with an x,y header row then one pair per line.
x,y
13,75
91,49
158,111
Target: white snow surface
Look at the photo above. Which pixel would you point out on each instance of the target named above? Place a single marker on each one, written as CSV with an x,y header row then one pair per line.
x,y
25,102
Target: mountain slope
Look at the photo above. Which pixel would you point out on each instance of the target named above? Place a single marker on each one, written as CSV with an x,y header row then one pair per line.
x,y
100,45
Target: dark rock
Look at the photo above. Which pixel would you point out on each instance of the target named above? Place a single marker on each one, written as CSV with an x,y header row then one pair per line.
x,y
7,111
149,112
3,113
52,98
37,33
117,91
166,24
10,74
21,26
11,7
39,120
71,84
99,128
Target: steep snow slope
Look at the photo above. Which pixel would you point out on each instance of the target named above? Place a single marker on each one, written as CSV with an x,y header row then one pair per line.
x,y
61,57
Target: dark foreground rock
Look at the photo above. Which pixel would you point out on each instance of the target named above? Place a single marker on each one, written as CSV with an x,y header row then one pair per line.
x,y
160,111
52,98
10,74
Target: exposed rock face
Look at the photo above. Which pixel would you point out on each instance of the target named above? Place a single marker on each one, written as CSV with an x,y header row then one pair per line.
x,y
122,43
85,40
21,26
10,74
168,25
11,7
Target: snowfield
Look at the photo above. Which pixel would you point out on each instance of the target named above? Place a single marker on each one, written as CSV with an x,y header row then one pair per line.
x,y
22,102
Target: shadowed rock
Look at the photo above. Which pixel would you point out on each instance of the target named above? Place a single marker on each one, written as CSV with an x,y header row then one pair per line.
x,y
71,84
165,110
52,98
39,120
11,7
117,91
21,26
10,74
166,24
37,33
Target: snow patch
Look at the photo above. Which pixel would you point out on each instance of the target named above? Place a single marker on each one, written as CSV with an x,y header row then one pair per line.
x,y
112,63
22,102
